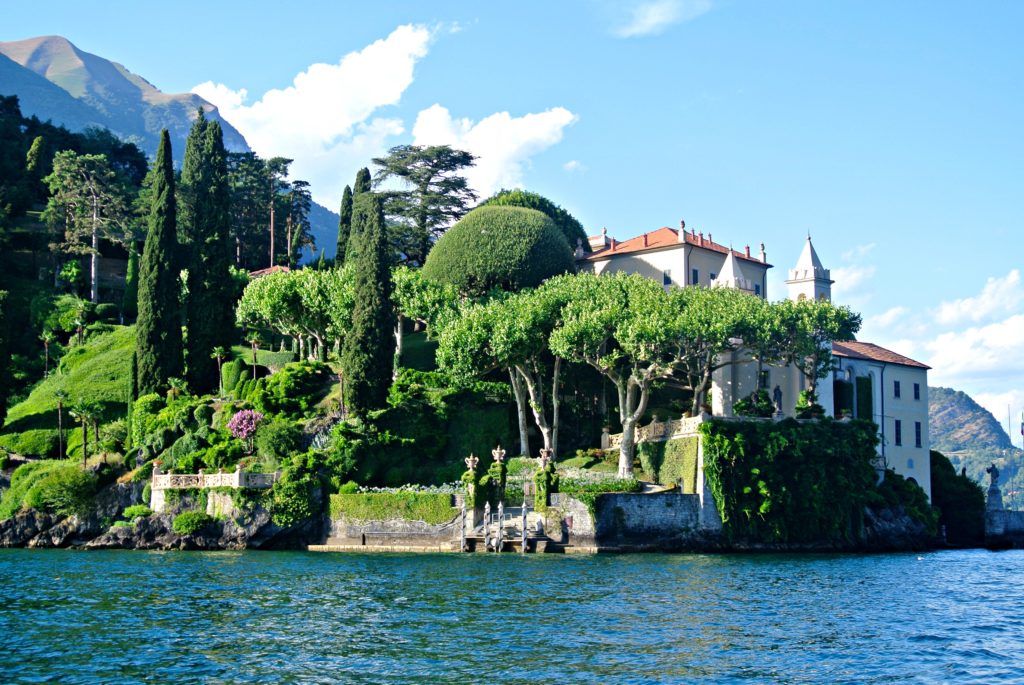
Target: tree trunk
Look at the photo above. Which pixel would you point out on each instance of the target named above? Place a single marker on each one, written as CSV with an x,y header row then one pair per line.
x,y
554,406
94,261
85,442
536,391
524,428
398,344
271,223
631,409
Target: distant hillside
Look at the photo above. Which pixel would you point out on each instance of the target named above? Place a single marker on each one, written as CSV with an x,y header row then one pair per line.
x,y
54,80
956,422
971,437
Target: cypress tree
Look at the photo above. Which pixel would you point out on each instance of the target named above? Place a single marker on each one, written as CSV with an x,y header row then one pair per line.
x,y
344,225
158,329
5,358
130,302
368,350
363,184
133,393
209,313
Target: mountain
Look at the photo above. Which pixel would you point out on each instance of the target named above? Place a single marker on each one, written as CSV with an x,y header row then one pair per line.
x,y
55,80
973,439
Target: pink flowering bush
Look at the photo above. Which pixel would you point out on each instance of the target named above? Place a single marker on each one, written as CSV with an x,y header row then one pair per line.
x,y
243,425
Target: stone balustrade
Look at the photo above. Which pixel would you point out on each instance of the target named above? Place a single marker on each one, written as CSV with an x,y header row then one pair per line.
x,y
235,479
657,431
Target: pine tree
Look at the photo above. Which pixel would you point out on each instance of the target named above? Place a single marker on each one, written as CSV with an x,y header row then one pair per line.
x,y
344,226
369,348
158,329
206,220
130,302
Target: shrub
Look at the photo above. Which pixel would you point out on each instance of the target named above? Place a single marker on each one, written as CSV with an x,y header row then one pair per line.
x,y
499,247
231,373
106,312
243,425
121,524
203,415
147,493
5,460
135,511
277,440
22,480
295,389
223,454
672,461
757,404
65,491
191,522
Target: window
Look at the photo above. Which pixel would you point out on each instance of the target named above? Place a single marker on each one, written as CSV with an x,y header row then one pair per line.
x,y
757,289
917,391
910,465
666,277
712,276
695,277
899,432
917,433
896,389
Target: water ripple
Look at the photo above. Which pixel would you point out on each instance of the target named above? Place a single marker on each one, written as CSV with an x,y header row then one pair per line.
x,y
229,617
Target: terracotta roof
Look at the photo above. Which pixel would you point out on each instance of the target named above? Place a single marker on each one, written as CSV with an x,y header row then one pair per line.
x,y
865,350
660,239
269,270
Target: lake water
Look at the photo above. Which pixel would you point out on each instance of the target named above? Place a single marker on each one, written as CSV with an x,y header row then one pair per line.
x,y
280,617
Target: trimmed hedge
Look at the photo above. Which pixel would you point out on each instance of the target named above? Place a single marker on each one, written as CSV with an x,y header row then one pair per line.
x,y
429,507
499,247
570,227
672,461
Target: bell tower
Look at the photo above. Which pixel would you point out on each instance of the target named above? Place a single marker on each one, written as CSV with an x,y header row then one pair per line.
x,y
809,280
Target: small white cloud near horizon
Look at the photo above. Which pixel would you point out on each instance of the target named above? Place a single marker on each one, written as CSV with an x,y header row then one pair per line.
x,y
653,17
1000,295
502,143
574,166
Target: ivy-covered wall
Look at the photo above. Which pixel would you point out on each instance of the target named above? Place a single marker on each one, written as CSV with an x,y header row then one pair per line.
x,y
672,461
791,481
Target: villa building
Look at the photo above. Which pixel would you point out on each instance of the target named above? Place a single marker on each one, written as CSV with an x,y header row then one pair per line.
x,y
868,381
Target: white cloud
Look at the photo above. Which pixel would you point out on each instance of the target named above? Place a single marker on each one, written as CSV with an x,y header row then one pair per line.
x,y
1000,295
995,350
323,120
850,282
998,403
858,253
888,318
504,144
574,166
649,18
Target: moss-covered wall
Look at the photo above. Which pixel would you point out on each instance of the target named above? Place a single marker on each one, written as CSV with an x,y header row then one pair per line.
x,y
672,461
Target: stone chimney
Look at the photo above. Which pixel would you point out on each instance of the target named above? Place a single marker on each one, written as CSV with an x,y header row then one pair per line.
x,y
746,251
681,236
613,244
645,240
764,257
710,239
700,238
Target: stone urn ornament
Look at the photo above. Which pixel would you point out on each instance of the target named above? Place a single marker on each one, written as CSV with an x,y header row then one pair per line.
x,y
498,454
471,462
545,457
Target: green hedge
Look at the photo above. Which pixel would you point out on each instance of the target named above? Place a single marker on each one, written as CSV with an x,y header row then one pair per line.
x,y
791,481
432,508
672,461
960,500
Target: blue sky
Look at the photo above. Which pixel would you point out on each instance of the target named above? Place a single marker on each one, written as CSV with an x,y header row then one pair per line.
x,y
890,131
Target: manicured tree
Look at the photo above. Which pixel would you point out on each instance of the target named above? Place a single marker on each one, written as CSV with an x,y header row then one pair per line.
x,y
566,222
205,198
130,302
499,247
368,349
344,226
363,184
158,329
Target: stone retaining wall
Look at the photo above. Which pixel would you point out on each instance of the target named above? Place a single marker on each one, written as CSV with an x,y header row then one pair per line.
x,y
391,533
664,520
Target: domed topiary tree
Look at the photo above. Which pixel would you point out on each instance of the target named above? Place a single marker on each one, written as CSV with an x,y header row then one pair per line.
x,y
570,227
499,247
